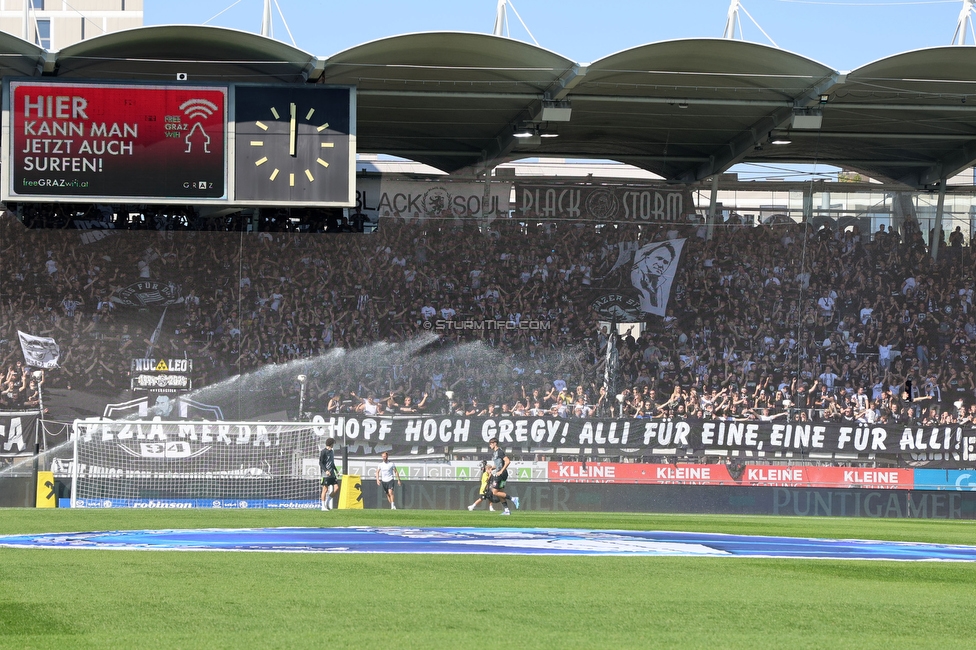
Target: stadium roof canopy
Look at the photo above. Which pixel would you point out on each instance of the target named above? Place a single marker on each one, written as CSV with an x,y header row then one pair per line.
x,y
685,109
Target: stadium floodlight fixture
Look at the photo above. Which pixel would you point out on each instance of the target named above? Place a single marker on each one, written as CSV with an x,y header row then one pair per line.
x,y
807,119
556,111
525,131
781,139
548,132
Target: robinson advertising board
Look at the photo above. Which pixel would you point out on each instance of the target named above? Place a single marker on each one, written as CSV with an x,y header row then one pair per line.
x,y
232,144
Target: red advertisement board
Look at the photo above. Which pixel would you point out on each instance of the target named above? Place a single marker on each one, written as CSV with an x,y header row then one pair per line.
x,y
117,141
719,474
639,473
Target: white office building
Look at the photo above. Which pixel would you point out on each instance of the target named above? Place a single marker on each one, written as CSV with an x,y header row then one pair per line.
x,y
56,24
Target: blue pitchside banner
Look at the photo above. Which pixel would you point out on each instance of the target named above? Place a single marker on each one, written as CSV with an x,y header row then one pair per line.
x,y
495,541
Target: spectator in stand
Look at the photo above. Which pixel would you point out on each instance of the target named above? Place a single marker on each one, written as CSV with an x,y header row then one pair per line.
x,y
296,297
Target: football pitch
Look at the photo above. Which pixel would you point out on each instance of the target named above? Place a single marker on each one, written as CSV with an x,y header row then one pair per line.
x,y
171,599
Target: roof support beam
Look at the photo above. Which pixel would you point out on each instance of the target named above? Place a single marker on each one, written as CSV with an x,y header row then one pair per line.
x,y
434,94
410,153
949,166
46,63
937,230
883,136
746,141
865,165
617,99
739,147
924,108
314,69
567,82
674,101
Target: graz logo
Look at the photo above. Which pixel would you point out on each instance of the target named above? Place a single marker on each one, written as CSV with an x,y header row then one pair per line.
x,y
618,307
144,294
602,204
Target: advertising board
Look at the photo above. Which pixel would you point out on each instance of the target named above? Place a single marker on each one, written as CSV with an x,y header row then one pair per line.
x,y
236,144
112,141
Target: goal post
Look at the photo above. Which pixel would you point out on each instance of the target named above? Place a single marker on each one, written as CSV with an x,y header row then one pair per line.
x,y
192,464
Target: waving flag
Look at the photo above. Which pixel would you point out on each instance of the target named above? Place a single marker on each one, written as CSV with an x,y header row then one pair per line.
x,y
39,351
639,283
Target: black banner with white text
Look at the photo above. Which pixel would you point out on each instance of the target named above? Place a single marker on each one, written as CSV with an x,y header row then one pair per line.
x,y
18,433
954,444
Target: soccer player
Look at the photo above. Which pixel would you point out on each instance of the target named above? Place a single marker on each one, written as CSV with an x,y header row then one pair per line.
x,y
330,484
484,493
499,473
385,475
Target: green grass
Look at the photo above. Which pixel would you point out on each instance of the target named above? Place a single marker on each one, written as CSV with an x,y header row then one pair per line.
x,y
82,599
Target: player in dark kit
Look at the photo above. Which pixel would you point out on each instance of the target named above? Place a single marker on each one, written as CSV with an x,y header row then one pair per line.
x,y
499,475
330,483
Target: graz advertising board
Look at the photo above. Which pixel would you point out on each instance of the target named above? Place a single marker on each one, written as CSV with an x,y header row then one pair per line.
x,y
107,140
114,142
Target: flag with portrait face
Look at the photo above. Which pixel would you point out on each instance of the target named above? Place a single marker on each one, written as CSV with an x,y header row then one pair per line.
x,y
639,282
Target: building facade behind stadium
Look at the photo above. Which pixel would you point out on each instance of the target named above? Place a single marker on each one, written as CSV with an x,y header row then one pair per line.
x,y
644,307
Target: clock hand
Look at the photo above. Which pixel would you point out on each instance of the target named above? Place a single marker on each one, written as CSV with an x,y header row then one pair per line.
x,y
293,134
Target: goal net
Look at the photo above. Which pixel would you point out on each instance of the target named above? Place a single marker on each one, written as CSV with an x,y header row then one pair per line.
x,y
157,464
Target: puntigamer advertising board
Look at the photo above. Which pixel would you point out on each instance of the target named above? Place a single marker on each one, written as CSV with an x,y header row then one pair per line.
x,y
109,140
253,144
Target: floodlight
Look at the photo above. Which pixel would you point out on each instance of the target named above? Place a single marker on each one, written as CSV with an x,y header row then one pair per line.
x,y
556,111
807,119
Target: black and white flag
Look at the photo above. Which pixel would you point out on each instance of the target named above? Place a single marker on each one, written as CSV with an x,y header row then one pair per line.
x,y
640,280
39,351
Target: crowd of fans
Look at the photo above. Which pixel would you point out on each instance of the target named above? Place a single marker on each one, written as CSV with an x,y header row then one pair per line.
x,y
769,321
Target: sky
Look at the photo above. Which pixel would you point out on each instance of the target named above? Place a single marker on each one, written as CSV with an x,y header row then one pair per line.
x,y
842,34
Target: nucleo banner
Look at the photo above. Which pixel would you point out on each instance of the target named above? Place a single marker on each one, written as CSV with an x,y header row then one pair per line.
x,y
110,141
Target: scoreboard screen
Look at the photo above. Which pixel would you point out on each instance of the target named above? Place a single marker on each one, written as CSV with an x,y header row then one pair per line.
x,y
121,143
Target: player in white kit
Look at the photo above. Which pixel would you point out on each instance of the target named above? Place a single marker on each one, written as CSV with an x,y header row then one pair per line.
x,y
386,474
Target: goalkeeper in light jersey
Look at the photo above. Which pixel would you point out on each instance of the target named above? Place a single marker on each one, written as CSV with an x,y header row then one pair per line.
x,y
386,473
330,482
